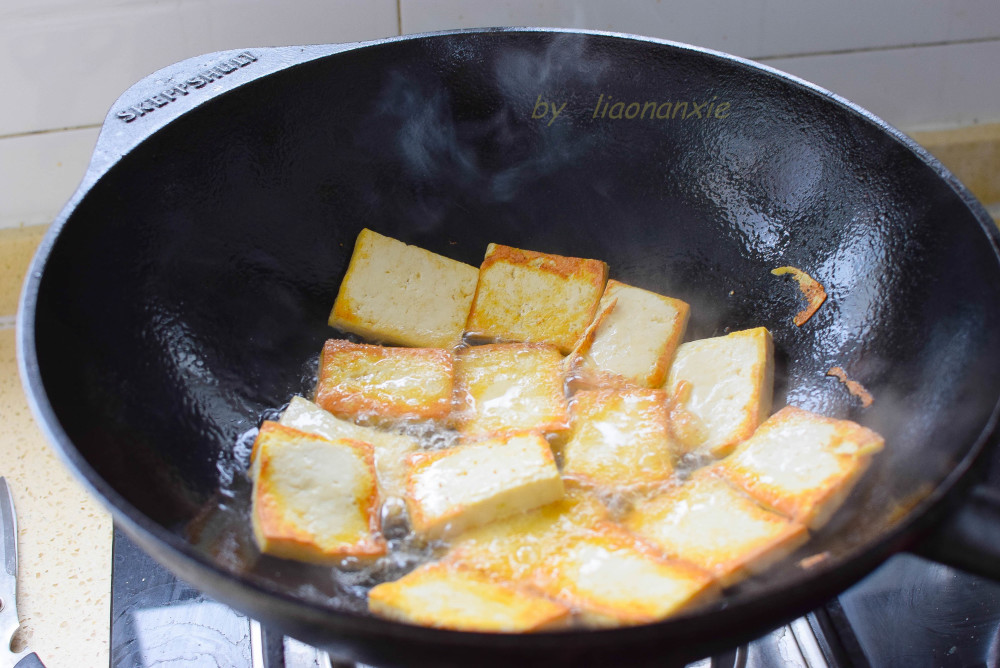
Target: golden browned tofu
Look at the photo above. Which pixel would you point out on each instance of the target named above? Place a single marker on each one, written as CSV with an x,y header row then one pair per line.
x,y
633,338
731,380
390,448
505,388
360,380
801,464
611,578
314,499
404,295
528,296
707,522
569,552
510,549
448,491
448,596
619,439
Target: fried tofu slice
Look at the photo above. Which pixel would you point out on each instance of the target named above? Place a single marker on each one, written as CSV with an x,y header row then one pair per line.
x,y
450,490
619,440
633,338
801,464
390,449
731,380
511,549
706,521
447,596
314,499
403,295
611,578
523,295
571,553
367,381
505,388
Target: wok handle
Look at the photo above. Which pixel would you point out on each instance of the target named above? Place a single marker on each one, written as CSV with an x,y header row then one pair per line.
x,y
162,96
969,539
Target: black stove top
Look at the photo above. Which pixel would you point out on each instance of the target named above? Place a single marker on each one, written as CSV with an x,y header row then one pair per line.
x,y
913,612
908,613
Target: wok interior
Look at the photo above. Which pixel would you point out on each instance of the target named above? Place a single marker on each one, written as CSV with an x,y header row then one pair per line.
x,y
189,290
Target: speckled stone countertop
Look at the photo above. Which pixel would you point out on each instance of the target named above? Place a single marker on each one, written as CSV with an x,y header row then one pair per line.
x,y
64,535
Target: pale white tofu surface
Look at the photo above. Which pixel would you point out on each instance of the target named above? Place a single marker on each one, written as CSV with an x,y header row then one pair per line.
x,y
621,578
524,295
707,522
802,464
636,336
509,387
313,499
797,458
619,439
468,485
610,578
372,382
318,484
390,449
401,294
449,596
731,379
511,548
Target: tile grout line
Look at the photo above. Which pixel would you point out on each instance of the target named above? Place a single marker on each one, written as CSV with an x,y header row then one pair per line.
x,y
874,49
7,321
46,131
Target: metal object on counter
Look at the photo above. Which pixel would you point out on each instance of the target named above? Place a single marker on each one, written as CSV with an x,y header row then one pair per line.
x,y
8,586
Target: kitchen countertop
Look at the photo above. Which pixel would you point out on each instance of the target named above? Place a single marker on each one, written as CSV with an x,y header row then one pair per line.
x,y
65,536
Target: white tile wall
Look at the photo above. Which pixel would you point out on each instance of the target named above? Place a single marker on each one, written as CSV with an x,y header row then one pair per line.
x,y
917,88
748,28
66,62
39,172
918,65
63,63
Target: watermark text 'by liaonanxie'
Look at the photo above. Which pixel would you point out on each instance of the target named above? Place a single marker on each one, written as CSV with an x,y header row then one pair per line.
x,y
607,107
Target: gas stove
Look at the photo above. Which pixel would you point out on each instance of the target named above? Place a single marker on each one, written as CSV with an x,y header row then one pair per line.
x,y
910,612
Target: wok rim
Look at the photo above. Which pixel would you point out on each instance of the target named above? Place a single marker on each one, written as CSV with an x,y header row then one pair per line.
x,y
799,590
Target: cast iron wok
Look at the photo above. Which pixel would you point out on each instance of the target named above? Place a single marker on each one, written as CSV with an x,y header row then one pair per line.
x,y
184,290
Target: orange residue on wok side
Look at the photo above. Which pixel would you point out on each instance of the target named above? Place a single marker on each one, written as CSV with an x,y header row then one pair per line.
x,y
813,290
853,386
814,560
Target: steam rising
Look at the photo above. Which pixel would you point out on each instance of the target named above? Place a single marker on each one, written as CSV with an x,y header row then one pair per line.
x,y
475,142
